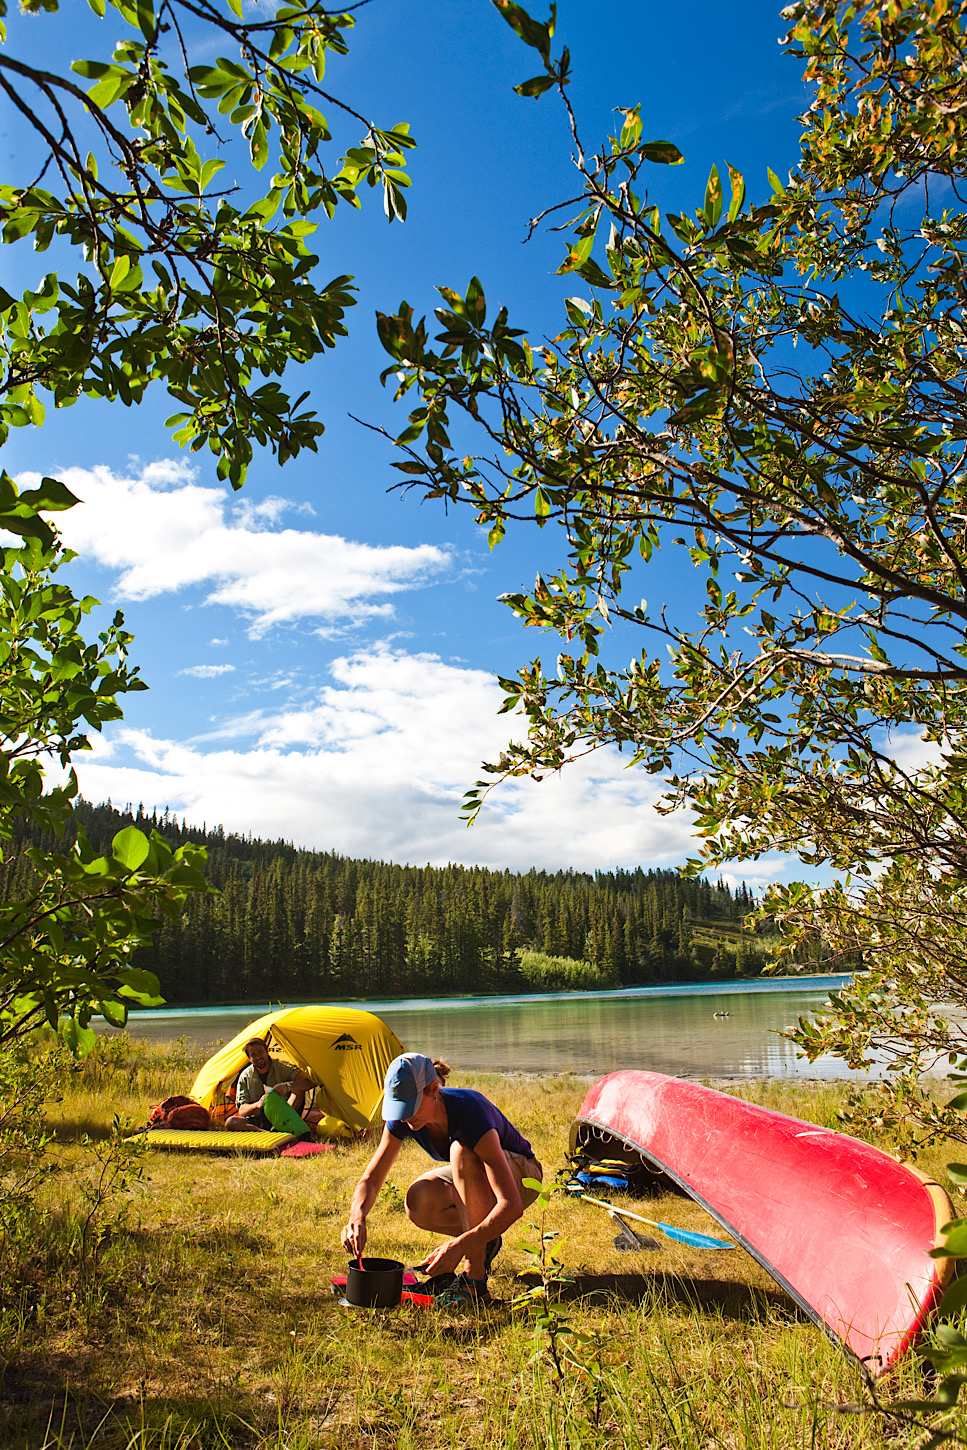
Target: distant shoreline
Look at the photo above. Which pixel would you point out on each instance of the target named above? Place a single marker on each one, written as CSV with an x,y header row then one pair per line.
x,y
737,985
668,1028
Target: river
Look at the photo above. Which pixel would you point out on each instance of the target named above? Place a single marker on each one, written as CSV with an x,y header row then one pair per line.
x,y
679,1029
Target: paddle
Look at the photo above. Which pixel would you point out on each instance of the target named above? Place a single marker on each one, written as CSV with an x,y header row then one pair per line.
x,y
627,1240
683,1235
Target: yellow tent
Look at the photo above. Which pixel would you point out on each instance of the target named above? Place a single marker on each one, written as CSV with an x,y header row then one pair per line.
x,y
345,1052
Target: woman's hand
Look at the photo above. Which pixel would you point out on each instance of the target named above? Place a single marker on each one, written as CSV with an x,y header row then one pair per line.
x,y
444,1260
354,1236
367,1191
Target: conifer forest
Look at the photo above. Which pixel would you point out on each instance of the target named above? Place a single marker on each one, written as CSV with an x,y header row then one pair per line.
x,y
296,925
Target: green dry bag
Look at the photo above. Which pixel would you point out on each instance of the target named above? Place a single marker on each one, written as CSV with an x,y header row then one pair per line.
x,y
283,1116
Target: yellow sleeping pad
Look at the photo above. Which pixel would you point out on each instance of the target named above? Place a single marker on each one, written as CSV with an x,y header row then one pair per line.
x,y
182,1141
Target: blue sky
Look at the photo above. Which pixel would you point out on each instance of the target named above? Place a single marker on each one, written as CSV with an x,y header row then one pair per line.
x,y
321,653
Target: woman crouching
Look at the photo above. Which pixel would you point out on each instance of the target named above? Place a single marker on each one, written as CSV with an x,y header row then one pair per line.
x,y
474,1194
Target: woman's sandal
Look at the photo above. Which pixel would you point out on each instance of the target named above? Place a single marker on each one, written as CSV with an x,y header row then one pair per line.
x,y
465,1290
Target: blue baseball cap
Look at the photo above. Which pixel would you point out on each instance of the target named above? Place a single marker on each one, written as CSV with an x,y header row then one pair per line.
x,y
406,1077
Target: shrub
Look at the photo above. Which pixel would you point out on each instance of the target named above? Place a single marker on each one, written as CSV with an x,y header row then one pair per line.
x,y
557,974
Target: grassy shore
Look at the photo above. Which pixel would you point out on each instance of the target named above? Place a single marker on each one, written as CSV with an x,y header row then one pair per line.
x,y
197,1310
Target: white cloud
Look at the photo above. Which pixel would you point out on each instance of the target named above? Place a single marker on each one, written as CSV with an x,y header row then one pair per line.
x,y
269,511
163,532
377,766
206,672
908,748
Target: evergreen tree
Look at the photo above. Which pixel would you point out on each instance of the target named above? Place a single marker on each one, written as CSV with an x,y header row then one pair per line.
x,y
290,925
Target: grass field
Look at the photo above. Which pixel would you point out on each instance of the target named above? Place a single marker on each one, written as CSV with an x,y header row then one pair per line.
x,y
197,1310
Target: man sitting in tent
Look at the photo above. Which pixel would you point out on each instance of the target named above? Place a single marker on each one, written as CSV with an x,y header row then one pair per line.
x,y
264,1075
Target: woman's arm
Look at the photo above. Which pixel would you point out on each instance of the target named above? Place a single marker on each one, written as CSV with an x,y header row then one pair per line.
x,y
367,1191
507,1209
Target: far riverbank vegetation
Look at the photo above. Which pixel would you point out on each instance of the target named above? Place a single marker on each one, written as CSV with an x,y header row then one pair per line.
x,y
313,925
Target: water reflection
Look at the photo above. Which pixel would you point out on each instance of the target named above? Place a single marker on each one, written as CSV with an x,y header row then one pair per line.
x,y
677,1035
666,1030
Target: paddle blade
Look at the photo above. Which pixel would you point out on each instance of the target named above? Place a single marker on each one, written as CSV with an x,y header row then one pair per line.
x,y
697,1241
628,1241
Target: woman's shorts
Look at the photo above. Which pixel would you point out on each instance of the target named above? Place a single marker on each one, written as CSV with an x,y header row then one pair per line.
x,y
520,1167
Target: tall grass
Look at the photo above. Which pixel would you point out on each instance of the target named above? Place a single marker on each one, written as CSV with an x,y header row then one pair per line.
x,y
209,1320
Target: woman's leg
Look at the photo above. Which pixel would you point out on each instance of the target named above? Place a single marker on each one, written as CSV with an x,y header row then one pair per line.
x,y
452,1202
432,1203
476,1198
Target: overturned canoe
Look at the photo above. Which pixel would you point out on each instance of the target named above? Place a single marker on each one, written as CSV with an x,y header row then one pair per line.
x,y
843,1227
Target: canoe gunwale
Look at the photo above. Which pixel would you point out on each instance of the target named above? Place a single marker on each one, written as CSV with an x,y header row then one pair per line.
x,y
830,1333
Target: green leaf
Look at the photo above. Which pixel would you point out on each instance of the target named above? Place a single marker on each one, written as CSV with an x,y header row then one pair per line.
x,y
578,254
535,87
954,1245
631,130
713,198
531,31
954,1299
662,152
476,303
147,23
79,1039
738,192
699,407
119,271
136,980
51,497
578,310
96,69
130,847
113,1011
259,145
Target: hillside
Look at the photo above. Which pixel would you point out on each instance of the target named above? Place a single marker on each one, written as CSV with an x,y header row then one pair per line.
x,y
293,925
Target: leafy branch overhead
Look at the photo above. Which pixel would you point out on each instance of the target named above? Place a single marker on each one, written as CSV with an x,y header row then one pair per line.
x,y
770,386
187,277
66,941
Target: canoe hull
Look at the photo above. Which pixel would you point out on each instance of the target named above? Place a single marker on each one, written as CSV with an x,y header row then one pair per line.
x,y
843,1227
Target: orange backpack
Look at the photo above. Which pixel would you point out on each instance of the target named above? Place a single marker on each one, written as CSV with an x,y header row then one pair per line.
x,y
179,1112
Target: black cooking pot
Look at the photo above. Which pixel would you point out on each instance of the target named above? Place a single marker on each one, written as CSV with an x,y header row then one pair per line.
x,y
378,1285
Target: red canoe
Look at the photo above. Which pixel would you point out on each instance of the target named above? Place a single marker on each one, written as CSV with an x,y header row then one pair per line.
x,y
843,1227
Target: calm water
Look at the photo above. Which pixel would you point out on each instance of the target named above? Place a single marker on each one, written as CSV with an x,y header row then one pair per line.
x,y
664,1029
